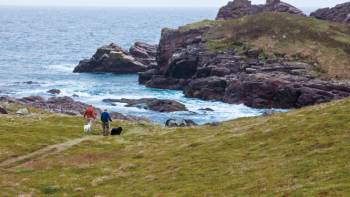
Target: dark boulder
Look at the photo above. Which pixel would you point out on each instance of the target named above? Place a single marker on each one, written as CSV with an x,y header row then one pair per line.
x,y
180,123
339,13
54,91
151,104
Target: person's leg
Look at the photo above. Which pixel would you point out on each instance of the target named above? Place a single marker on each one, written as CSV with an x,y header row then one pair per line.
x,y
105,129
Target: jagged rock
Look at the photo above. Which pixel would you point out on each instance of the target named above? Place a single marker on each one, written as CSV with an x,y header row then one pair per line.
x,y
3,110
144,53
113,59
339,13
151,104
54,91
239,8
180,123
171,40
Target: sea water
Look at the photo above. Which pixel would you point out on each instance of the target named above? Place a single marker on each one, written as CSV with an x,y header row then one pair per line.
x,y
40,46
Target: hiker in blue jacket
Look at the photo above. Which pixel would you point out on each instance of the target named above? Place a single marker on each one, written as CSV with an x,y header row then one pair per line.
x,y
105,118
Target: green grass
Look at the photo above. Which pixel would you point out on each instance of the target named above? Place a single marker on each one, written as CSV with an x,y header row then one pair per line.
x,y
322,43
300,153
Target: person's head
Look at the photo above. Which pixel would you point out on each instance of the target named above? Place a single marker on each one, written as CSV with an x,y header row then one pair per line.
x,y
105,110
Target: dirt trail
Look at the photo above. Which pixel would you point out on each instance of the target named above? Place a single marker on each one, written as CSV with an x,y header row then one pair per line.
x,y
52,149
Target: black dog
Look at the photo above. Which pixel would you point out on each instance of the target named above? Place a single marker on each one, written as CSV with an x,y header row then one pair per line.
x,y
117,131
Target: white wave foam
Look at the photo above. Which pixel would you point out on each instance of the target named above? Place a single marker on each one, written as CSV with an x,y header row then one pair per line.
x,y
61,67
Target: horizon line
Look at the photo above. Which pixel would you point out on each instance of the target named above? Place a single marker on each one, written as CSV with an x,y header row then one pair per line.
x,y
114,6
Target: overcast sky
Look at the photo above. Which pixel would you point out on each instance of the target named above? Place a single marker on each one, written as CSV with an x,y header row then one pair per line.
x,y
161,3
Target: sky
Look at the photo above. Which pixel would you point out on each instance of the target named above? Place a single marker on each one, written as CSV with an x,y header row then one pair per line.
x,y
160,3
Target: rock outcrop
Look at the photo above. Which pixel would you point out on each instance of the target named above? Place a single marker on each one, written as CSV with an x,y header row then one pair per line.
x,y
3,110
114,59
239,8
144,53
237,74
151,104
339,13
62,105
180,123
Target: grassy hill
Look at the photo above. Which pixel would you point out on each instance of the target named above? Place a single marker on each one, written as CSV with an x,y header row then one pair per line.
x,y
300,153
319,42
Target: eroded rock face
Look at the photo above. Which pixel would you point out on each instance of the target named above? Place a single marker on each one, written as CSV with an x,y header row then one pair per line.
x,y
173,40
278,90
339,13
151,104
144,53
239,8
114,59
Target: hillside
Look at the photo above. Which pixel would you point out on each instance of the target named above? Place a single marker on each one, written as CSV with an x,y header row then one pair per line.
x,y
319,42
300,153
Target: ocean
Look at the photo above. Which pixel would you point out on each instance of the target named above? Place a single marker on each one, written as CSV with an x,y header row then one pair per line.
x,y
40,46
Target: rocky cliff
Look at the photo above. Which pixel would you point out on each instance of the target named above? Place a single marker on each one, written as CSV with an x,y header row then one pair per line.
x,y
238,8
339,13
264,60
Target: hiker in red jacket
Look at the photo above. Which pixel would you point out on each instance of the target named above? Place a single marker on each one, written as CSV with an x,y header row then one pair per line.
x,y
90,115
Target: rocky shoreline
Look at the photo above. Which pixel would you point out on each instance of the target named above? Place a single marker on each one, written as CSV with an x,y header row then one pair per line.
x,y
62,105
238,74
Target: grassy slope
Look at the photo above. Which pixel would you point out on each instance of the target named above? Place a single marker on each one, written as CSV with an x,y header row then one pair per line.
x,y
324,43
300,153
